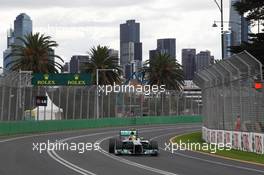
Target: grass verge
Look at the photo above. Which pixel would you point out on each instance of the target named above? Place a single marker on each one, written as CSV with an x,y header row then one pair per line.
x,y
196,137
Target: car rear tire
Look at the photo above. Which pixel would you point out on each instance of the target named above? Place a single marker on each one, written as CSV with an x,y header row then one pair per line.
x,y
112,145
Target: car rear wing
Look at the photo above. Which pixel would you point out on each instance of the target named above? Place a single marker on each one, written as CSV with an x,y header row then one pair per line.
x,y
126,133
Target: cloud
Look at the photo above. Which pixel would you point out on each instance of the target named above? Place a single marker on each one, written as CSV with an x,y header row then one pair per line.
x,y
70,3
80,24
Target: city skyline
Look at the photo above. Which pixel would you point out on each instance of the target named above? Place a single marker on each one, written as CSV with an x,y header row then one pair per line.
x,y
77,28
22,27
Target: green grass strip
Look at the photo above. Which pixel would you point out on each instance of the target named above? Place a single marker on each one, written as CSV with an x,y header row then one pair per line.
x,y
196,137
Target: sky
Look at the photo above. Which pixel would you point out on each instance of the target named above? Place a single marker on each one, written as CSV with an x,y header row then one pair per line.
x,y
78,25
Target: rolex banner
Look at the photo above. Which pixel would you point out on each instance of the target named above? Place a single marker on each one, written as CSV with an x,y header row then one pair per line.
x,y
64,79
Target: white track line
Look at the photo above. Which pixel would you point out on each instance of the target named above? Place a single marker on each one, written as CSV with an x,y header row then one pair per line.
x,y
155,170
80,170
70,165
59,159
134,163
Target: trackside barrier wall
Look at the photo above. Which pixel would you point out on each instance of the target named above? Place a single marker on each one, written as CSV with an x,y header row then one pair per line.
x,y
244,141
21,127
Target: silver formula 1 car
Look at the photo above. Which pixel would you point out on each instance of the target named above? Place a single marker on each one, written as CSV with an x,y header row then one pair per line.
x,y
129,143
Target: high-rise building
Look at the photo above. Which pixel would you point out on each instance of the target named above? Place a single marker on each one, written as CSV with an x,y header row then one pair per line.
x,y
130,47
126,53
203,60
7,58
66,67
165,46
238,25
138,51
188,63
22,27
10,37
227,44
130,31
8,51
113,53
77,63
152,53
51,53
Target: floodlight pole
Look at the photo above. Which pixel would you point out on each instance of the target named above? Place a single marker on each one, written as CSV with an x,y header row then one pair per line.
x,y
220,6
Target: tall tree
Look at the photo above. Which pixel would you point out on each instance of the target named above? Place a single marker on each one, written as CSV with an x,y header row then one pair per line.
x,y
163,70
100,58
35,54
253,10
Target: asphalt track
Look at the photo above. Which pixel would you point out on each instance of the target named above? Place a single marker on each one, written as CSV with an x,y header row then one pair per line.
x,y
18,158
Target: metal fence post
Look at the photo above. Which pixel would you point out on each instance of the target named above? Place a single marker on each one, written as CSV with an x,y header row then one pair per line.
x,y
170,103
130,102
108,103
60,102
74,96
88,102
141,104
102,106
45,88
95,105
17,104
149,97
162,104
52,99
9,103
37,106
240,101
3,101
81,105
156,104
178,108
67,99
31,101
123,104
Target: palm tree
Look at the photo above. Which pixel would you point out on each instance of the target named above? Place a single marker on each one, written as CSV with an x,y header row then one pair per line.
x,y
101,59
163,70
35,54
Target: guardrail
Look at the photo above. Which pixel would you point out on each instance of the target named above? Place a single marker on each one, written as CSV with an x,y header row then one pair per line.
x,y
23,127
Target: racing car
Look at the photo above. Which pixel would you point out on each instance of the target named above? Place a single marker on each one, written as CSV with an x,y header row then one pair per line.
x,y
128,143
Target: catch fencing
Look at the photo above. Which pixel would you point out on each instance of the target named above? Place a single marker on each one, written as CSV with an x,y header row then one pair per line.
x,y
232,94
18,101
